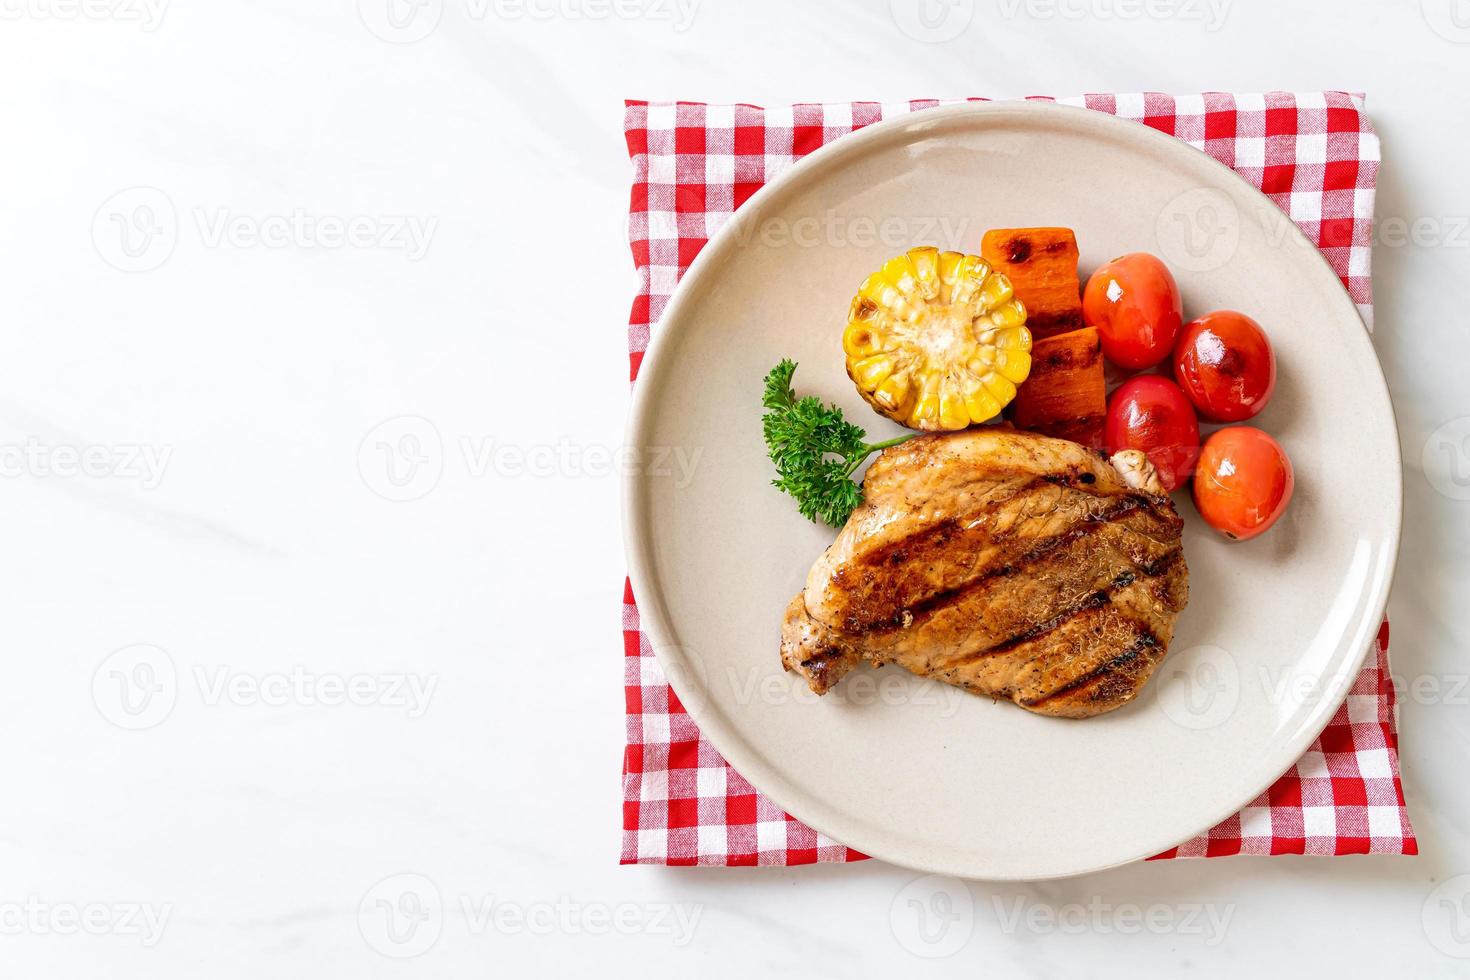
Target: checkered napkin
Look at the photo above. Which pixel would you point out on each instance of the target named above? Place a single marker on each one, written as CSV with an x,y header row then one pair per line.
x,y
1313,153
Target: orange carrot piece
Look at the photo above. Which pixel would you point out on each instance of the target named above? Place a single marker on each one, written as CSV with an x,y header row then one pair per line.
x,y
1066,395
1041,264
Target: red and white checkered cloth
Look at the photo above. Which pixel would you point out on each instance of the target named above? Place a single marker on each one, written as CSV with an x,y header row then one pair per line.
x,y
1313,153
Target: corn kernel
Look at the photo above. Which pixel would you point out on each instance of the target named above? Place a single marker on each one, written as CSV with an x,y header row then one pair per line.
x,y
1000,386
860,340
980,403
952,413
937,340
873,371
893,393
1012,314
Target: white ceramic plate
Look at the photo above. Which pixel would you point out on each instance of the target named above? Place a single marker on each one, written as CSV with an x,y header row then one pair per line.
x,y
923,775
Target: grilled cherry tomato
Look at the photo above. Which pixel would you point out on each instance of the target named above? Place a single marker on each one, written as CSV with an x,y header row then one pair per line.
x,y
1134,303
1243,482
1150,413
1225,365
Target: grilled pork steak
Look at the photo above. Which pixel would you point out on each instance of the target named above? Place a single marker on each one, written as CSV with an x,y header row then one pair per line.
x,y
1006,563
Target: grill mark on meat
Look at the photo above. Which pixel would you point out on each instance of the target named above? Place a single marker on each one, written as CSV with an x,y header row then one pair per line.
x,y
1081,537
1004,563
1144,641
879,593
934,537
1147,575
1095,600
1025,560
899,552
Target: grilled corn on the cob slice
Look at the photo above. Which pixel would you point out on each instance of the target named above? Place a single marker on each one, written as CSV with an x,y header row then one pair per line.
x,y
937,341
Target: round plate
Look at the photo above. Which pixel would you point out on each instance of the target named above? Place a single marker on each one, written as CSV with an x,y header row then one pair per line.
x,y
909,770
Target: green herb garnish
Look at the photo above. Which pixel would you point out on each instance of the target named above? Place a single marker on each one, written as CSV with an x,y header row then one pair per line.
x,y
815,449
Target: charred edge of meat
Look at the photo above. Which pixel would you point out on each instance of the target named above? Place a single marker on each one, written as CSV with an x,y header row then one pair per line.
x,y
821,669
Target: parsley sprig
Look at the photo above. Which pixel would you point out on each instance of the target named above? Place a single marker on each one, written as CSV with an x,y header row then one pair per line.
x,y
815,449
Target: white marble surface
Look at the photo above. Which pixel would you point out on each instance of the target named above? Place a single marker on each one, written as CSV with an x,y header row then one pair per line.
x,y
182,471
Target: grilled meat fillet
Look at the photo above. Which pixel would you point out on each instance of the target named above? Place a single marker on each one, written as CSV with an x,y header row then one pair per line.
x,y
1005,563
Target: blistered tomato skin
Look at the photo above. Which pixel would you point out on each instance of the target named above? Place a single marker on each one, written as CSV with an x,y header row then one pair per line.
x,y
1225,364
1134,303
1150,413
1243,483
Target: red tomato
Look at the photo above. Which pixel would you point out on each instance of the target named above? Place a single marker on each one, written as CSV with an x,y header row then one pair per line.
x,y
1243,482
1150,413
1134,304
1225,365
